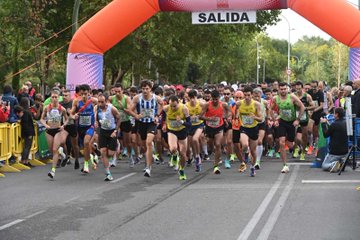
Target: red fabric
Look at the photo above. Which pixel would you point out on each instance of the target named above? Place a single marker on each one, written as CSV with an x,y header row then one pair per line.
x,y
215,112
4,115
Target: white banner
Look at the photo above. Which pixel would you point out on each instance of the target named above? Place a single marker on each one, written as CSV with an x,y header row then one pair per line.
x,y
224,17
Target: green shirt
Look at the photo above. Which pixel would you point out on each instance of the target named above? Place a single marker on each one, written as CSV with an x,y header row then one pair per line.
x,y
123,116
286,108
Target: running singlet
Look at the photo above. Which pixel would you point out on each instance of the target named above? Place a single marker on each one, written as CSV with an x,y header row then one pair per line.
x,y
286,108
215,113
194,113
247,113
171,115
106,119
304,117
54,115
86,117
147,108
123,116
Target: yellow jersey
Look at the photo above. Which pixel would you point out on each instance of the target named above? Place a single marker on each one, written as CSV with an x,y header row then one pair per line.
x,y
171,115
194,113
245,112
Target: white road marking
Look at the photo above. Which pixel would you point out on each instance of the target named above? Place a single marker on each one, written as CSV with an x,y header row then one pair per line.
x,y
35,214
11,224
72,199
330,181
122,178
300,163
269,225
261,209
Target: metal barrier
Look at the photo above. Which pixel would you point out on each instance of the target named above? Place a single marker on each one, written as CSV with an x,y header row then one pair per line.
x,y
6,148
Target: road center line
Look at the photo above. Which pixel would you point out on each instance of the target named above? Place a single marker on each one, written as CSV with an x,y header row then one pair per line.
x,y
35,214
11,224
330,181
269,225
261,209
122,178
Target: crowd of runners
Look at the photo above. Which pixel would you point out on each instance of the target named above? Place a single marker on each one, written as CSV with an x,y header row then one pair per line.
x,y
238,121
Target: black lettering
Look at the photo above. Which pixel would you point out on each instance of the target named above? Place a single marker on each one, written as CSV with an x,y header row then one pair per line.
x,y
211,18
227,17
244,17
235,17
202,17
220,19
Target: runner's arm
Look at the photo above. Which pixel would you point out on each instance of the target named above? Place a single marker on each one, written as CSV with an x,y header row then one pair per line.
x,y
116,114
298,103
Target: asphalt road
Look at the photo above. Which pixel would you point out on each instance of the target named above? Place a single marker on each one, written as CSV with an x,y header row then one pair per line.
x,y
303,204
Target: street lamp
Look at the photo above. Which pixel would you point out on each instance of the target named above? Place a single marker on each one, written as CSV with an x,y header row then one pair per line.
x,y
288,70
257,61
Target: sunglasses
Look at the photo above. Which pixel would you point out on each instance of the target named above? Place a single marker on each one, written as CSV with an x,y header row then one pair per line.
x,y
227,94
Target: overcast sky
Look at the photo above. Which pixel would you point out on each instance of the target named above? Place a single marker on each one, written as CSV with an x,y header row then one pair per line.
x,y
301,26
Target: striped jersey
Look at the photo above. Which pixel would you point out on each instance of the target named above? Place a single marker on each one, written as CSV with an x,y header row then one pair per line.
x,y
147,108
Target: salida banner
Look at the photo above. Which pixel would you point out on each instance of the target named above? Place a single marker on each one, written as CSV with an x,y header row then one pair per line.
x,y
223,17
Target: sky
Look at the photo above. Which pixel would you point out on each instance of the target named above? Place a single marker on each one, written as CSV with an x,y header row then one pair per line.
x,y
301,27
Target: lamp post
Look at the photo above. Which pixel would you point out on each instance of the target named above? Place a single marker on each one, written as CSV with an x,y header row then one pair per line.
x,y
288,70
257,61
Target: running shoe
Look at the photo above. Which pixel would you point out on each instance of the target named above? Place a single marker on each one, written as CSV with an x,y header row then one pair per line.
x,y
51,174
96,149
197,164
182,175
108,177
252,172
175,161
242,167
285,169
271,153
257,165
64,162
277,155
227,164
302,156
61,153
147,172
335,167
310,150
125,152
131,162
189,162
232,157
137,160
85,169
206,157
156,159
217,170
112,162
162,162
296,153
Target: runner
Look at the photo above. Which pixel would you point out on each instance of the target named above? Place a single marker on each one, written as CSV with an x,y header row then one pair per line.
x,y
287,121
213,113
147,106
123,104
51,118
239,95
302,131
197,127
83,112
257,95
249,114
177,118
108,119
228,132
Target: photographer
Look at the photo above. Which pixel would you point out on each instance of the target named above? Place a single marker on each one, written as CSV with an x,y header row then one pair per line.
x,y
338,146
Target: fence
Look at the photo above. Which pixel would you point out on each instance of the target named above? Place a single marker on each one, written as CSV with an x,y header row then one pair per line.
x,y
11,144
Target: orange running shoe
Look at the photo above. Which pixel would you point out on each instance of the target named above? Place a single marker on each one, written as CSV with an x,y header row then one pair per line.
x,y
310,150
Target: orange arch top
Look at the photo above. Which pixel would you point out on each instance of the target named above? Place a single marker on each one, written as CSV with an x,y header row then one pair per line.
x,y
110,25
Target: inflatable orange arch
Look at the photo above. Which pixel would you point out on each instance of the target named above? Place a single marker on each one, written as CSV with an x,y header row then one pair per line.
x,y
121,17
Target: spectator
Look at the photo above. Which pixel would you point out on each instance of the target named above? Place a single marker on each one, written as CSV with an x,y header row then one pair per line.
x,y
356,98
31,90
4,111
9,98
338,146
37,108
27,129
23,92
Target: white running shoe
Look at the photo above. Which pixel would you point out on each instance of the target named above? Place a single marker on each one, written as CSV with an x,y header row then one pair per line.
x,y
285,169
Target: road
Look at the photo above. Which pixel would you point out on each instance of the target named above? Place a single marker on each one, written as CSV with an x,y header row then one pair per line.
x,y
306,203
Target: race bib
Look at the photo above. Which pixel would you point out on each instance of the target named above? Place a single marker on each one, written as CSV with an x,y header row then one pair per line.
x,y
149,113
303,117
214,122
247,120
286,113
85,120
123,116
105,124
174,124
316,104
195,119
